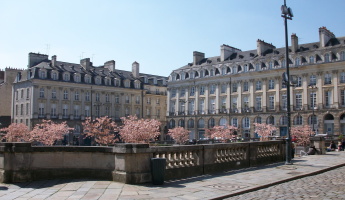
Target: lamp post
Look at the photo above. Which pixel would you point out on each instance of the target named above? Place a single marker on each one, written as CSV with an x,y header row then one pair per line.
x,y
287,14
313,87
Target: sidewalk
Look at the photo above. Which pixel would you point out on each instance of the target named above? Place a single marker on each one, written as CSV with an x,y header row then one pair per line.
x,y
216,186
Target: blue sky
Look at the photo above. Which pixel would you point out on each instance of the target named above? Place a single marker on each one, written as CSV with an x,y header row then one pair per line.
x,y
159,34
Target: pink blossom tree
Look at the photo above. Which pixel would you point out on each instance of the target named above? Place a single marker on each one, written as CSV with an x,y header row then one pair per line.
x,y
102,129
302,134
136,130
264,130
16,133
179,134
224,133
48,132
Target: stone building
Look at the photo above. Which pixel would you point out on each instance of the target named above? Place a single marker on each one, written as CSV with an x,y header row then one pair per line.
x,y
243,87
62,91
7,78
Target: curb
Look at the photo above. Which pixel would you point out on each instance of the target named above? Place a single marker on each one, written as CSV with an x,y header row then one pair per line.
x,y
279,182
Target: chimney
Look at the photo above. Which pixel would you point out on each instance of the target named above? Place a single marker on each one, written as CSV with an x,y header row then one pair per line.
x,y
135,69
36,58
325,36
294,42
110,65
54,60
226,51
263,46
197,57
85,63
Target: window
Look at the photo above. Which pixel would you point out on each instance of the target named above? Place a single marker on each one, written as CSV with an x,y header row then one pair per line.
x,y
201,123
97,110
245,87
257,66
191,123
137,84
258,120
127,84
270,120
65,94
223,122
65,111
27,108
342,55
127,99
246,102
328,79
234,87
76,95
87,111
137,100
192,91
313,100
298,100
246,122
76,111
173,93
21,94
77,78
223,88
342,77
117,82
41,110
107,111
284,120
66,77
117,99
126,111
158,111
258,85
148,100
311,59
284,102
27,93
106,97
42,74
137,112
157,101
191,107
41,92
212,89
234,103
258,103
183,92
53,94
271,102
299,82
211,123
283,63
312,80
202,90
271,84
201,105
342,97
298,120
21,109
97,96
328,100
54,76
327,57
87,96
87,79
16,109
297,62
212,106
53,111
270,65
234,122
98,80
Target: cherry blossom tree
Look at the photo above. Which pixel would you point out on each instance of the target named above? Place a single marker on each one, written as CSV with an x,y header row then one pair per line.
x,y
16,133
302,134
225,133
264,130
136,130
179,134
48,132
102,129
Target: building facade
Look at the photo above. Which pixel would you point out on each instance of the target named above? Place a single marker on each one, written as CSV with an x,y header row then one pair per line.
x,y
240,88
61,91
7,78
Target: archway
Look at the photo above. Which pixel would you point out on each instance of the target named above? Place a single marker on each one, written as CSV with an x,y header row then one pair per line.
x,y
328,124
342,124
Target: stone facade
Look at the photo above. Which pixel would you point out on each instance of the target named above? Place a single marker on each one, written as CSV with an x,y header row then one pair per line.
x,y
7,78
61,91
243,87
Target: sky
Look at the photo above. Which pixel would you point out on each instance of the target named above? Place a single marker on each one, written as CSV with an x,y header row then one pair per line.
x,y
161,35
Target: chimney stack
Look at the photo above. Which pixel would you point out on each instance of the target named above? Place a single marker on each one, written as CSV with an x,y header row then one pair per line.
x,y
325,36
197,57
135,69
294,42
85,63
110,65
263,46
226,51
54,60
36,58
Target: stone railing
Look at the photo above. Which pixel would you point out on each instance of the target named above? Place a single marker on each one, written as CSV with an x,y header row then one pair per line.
x,y
131,163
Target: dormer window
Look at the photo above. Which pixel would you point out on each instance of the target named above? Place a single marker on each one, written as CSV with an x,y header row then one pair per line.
x,y
87,79
98,80
127,83
41,92
116,82
327,57
77,78
42,74
54,75
66,77
297,62
147,80
137,84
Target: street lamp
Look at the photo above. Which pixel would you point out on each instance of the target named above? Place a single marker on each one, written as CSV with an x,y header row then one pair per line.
x,y
287,14
313,87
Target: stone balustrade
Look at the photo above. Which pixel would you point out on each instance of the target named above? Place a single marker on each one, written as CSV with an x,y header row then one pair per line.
x,y
130,163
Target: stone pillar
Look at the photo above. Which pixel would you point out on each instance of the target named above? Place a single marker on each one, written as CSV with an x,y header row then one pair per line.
x,y
217,99
251,94
335,89
239,100
207,94
264,94
305,95
319,94
277,96
132,163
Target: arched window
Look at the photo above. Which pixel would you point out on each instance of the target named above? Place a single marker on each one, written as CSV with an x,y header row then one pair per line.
x,y
283,120
312,119
181,123
172,123
190,123
211,123
311,59
258,120
246,122
223,122
298,120
201,123
270,120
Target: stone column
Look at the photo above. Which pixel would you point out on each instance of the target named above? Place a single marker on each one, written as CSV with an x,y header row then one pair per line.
x,y
264,94
251,94
239,92
277,96
319,94
217,98
335,89
305,95
207,94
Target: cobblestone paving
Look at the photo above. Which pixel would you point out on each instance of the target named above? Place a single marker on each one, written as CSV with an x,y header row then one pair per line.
x,y
328,185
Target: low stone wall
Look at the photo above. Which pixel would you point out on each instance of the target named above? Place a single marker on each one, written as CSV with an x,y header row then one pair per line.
x,y
130,163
